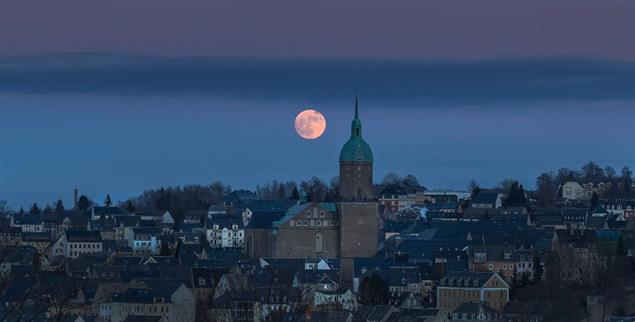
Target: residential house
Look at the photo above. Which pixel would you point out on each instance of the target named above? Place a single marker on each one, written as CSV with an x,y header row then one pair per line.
x,y
174,301
77,242
39,241
577,255
487,200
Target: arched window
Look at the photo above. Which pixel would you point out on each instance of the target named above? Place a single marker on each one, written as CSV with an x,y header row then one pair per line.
x,y
319,243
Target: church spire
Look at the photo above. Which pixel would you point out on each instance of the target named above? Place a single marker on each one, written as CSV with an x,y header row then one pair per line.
x,y
356,106
356,125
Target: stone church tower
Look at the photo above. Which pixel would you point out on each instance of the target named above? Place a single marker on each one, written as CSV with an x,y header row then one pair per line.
x,y
358,211
356,165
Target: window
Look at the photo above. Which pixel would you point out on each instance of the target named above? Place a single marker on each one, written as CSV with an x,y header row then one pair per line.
x,y
308,214
319,243
490,267
321,214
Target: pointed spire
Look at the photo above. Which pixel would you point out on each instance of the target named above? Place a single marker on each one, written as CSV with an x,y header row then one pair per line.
x,y
356,105
356,125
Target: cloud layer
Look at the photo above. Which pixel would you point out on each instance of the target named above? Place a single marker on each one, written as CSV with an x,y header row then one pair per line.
x,y
440,82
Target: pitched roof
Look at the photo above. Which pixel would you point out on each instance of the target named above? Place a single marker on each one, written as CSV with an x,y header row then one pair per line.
x,y
295,210
485,198
466,279
108,211
263,220
74,236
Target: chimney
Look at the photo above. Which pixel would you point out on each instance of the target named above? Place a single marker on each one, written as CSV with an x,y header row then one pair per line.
x,y
75,193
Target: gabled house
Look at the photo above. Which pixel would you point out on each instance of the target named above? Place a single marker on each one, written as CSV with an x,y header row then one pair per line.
x,y
457,288
76,242
487,200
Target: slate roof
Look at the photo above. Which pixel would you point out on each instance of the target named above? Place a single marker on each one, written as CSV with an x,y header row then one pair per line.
x,y
379,312
107,211
102,224
295,210
577,236
127,221
36,237
225,221
142,318
78,236
264,220
485,198
465,279
265,205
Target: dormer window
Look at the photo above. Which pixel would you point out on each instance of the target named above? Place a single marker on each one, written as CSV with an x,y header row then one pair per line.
x,y
201,281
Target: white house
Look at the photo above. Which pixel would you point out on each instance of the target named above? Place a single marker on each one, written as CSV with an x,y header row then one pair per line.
x,y
74,243
574,191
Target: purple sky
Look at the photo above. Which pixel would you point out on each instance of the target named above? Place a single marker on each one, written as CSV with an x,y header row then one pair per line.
x,y
353,28
121,96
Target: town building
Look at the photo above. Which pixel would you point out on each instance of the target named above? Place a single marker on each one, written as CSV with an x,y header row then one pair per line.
x,y
457,288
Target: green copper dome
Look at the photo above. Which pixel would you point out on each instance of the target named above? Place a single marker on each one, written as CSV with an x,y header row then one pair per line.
x,y
356,149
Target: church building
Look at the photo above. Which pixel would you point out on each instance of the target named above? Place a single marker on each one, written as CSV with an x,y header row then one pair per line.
x,y
344,229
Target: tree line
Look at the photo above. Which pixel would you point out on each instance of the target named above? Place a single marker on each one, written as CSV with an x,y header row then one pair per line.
x,y
619,185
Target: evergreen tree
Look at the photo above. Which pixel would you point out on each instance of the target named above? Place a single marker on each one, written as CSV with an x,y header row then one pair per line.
x,y
130,207
47,210
295,195
34,209
59,207
83,203
108,201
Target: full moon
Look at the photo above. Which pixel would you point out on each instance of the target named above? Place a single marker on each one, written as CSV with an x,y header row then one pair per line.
x,y
310,124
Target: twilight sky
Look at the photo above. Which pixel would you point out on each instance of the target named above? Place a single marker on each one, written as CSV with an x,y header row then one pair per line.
x,y
119,96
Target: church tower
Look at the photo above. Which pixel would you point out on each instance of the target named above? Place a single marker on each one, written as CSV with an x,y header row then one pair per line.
x,y
356,165
358,210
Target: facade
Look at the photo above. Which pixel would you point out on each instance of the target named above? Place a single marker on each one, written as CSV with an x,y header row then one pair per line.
x,y
39,241
174,303
76,242
506,260
577,255
574,191
225,231
457,288
144,240
307,230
